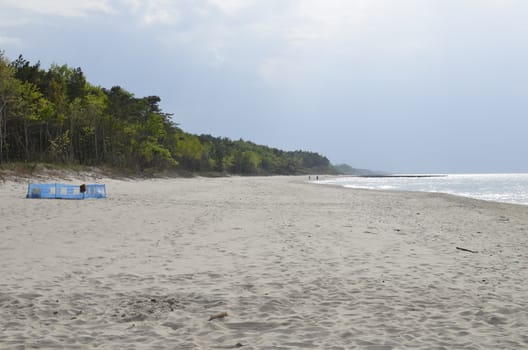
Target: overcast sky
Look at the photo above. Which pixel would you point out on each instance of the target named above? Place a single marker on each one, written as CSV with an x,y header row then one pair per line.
x,y
429,86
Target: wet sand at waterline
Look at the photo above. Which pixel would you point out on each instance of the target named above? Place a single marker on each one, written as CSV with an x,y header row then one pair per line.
x,y
260,263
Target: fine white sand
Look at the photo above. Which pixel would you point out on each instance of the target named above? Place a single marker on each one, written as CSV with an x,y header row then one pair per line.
x,y
294,265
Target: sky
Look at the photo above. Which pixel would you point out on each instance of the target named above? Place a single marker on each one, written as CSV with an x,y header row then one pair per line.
x,y
405,86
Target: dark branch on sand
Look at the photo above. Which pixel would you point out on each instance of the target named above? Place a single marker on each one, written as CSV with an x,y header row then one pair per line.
x,y
467,250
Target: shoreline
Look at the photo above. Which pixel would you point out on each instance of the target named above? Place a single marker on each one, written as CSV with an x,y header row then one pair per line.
x,y
97,176
293,265
441,188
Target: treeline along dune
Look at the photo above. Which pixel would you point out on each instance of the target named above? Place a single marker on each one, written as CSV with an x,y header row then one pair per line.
x,y
56,116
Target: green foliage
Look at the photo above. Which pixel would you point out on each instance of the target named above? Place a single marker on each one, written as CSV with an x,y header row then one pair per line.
x,y
243,157
55,115
188,151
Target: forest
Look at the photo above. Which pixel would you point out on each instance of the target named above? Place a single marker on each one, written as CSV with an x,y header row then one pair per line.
x,y
56,116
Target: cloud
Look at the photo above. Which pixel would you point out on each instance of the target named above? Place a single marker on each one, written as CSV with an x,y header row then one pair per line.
x,y
6,21
231,7
151,12
286,31
64,8
6,40
312,37
282,40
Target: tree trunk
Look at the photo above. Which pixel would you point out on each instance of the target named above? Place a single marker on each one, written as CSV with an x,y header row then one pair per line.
x,y
41,151
26,139
96,145
2,107
71,155
3,127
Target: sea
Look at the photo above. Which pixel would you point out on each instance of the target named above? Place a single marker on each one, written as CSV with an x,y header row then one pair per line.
x,y
507,188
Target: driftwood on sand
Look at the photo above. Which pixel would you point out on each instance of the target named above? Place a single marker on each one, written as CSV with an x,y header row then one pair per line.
x,y
219,315
467,250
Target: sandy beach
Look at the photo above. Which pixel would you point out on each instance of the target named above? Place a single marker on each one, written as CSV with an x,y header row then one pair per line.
x,y
294,265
